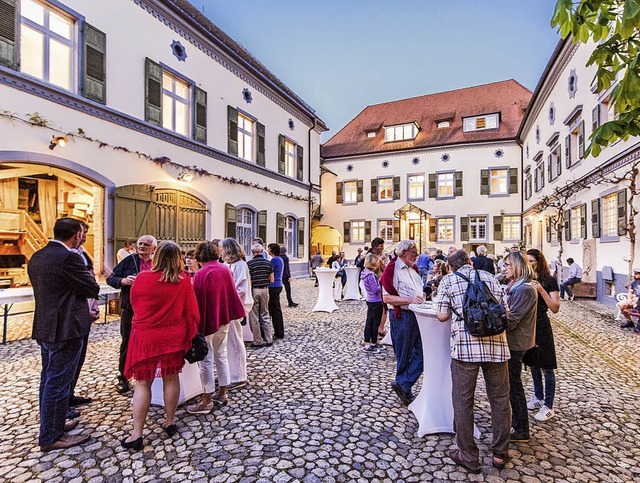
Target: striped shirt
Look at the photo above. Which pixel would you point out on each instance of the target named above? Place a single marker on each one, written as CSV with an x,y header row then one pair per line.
x,y
464,346
407,282
260,270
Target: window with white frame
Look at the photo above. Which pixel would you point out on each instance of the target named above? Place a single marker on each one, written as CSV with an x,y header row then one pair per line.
x,y
510,228
357,231
290,167
481,123
444,124
610,215
445,229
46,44
577,214
538,179
245,228
402,132
245,137
385,189
555,163
416,187
477,228
499,181
385,230
290,229
350,192
528,190
444,184
175,104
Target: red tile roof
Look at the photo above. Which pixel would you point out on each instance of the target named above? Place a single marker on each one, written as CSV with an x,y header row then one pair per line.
x,y
509,98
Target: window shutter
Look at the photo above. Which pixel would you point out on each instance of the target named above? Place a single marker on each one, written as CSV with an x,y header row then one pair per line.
x,y
301,238
94,64
464,228
433,192
367,232
558,161
232,126
595,218
279,228
8,34
396,187
200,116
513,180
260,156
432,230
535,183
230,219
281,166
549,221
541,175
300,157
396,231
622,212
346,235
360,191
595,117
457,183
484,181
583,222
374,189
567,225
549,170
581,140
338,192
497,228
567,151
153,92
262,224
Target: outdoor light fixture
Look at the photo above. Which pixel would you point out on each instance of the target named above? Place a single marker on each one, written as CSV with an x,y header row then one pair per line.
x,y
186,177
58,141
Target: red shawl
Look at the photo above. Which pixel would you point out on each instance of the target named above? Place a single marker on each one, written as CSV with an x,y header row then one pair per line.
x,y
165,318
387,282
217,296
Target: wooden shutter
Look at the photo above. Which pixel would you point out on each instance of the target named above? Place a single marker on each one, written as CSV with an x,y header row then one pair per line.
x,y
360,191
583,221
301,238
595,117
346,231
464,228
374,189
497,228
232,130
94,64
260,155
549,221
281,164
433,190
559,161
280,228
396,187
134,212
567,151
367,232
433,229
542,175
513,180
396,230
300,158
262,224
457,183
622,212
339,192
549,170
567,225
581,140
595,218
230,220
484,181
200,116
8,34
153,92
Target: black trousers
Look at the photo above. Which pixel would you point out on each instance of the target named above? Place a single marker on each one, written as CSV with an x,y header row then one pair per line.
x,y
126,316
83,355
287,289
275,312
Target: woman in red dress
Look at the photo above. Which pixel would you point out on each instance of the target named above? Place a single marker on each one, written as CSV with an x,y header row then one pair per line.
x,y
166,320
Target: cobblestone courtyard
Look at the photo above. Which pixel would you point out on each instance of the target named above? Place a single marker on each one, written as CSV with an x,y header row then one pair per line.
x,y
320,409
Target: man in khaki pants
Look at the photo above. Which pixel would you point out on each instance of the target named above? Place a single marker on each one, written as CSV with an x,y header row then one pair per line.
x,y
261,276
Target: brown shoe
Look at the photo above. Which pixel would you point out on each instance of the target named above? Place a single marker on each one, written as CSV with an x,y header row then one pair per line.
x,y
69,425
65,441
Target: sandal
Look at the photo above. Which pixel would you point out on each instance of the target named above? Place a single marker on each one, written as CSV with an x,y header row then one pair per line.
x,y
454,455
220,400
499,462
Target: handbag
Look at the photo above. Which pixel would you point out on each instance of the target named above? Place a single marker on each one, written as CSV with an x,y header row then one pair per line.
x,y
199,349
532,357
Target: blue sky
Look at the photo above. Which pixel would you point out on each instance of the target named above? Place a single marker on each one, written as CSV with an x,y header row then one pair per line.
x,y
341,56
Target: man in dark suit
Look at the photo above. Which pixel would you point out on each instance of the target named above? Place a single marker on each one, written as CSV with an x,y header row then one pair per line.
x,y
482,262
61,286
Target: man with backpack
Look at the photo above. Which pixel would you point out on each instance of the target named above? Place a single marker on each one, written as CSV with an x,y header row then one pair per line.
x,y
488,350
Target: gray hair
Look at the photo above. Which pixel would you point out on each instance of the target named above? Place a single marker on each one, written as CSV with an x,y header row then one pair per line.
x,y
256,248
154,242
404,246
481,250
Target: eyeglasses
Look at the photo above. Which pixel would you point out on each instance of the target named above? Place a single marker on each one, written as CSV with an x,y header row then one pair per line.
x,y
143,244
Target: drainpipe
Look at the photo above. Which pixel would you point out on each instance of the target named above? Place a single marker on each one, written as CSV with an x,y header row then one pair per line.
x,y
521,190
310,203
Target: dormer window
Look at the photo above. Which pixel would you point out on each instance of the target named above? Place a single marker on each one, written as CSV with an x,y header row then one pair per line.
x,y
401,132
371,134
481,123
443,124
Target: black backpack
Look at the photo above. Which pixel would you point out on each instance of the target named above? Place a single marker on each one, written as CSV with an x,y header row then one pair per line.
x,y
482,313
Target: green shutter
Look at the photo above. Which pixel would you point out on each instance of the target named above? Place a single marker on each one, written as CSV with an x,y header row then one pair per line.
x,y
595,117
622,212
338,192
279,228
230,219
464,228
549,229
200,116
367,231
396,187
260,156
300,157
232,130
497,228
433,192
457,183
559,161
281,166
360,191
153,92
432,230
374,189
301,238
94,64
346,231
8,34
583,222
567,225
567,151
581,140
513,180
549,170
484,181
262,224
396,230
595,218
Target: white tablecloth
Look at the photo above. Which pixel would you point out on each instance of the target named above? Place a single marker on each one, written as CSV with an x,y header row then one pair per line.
x,y
353,279
190,385
325,301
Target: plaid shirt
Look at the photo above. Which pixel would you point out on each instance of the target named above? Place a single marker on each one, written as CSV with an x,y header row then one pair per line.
x,y
464,346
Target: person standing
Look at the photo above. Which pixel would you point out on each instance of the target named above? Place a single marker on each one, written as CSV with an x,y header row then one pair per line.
x,y
316,262
286,277
359,256
469,354
122,277
128,249
575,276
373,290
261,273
482,262
61,286
425,265
275,289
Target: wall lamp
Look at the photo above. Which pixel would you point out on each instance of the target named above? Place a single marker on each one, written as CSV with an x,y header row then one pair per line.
x,y
58,141
184,176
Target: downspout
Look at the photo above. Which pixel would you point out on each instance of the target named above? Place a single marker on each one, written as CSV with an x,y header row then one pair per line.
x,y
310,203
521,190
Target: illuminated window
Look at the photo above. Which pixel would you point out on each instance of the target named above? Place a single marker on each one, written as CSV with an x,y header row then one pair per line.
x,y
577,215
481,123
245,137
245,228
289,158
290,230
445,229
477,228
357,231
610,215
499,182
445,185
385,230
510,228
416,187
350,192
400,133
385,189
175,104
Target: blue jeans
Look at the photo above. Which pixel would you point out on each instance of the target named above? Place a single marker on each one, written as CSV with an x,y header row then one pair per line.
x,y
407,346
549,392
519,414
59,365
566,286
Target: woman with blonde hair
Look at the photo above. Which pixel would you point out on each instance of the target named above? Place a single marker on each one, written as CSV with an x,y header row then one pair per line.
x,y
373,290
164,323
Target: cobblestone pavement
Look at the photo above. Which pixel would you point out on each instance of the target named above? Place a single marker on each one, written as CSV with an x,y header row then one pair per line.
x,y
318,409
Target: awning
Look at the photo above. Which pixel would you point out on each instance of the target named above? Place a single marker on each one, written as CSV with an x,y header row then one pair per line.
x,y
402,213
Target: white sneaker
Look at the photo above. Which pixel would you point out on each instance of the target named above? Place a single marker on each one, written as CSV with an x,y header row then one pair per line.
x,y
534,403
544,414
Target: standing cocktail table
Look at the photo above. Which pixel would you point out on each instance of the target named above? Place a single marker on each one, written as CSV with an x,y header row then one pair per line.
x,y
353,282
325,301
